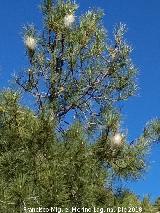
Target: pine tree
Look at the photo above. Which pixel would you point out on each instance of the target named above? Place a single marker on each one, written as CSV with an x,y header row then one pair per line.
x,y
157,204
147,206
70,147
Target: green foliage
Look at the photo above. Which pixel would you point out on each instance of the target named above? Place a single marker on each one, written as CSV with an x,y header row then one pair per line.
x,y
157,204
75,69
37,168
127,199
66,152
148,206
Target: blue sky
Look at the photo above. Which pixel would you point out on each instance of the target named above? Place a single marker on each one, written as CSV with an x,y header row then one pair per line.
x,y
142,19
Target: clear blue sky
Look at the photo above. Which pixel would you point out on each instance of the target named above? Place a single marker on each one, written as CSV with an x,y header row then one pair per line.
x,y
143,20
